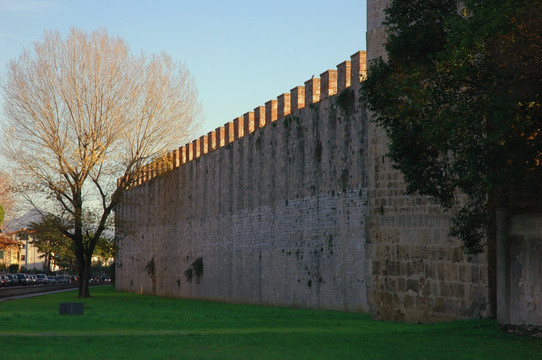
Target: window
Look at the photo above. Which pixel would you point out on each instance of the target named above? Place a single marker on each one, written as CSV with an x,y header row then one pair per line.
x,y
1,254
23,257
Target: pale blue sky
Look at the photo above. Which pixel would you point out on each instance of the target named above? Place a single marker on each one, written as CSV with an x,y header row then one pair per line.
x,y
241,53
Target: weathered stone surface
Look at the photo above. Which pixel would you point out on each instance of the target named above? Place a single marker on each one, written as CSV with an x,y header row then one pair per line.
x,y
277,216
304,211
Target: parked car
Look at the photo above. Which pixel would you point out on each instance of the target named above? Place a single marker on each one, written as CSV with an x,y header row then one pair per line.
x,y
50,280
23,279
42,279
14,280
4,281
33,279
62,279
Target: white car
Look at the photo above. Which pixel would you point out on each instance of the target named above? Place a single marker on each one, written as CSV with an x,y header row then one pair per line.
x,y
42,279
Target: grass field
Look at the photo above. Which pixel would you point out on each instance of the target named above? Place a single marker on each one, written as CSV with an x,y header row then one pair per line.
x,y
128,326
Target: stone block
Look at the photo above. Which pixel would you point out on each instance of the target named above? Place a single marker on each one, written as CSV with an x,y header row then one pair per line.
x,y
475,273
464,273
401,284
410,302
459,290
427,290
451,307
412,285
440,305
444,289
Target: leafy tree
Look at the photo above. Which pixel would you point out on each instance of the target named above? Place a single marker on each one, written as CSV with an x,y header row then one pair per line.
x,y
57,248
460,99
105,249
54,246
83,112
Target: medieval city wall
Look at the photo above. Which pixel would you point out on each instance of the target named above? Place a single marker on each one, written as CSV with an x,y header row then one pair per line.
x,y
269,209
296,204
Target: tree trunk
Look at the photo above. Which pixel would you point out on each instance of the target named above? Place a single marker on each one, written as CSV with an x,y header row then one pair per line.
x,y
84,275
84,280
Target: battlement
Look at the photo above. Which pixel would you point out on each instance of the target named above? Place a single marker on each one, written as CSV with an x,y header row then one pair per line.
x,y
330,83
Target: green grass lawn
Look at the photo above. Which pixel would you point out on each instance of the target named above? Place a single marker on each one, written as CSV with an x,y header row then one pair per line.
x,y
127,326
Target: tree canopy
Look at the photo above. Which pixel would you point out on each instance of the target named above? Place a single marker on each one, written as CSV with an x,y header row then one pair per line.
x,y
7,200
57,249
459,96
82,111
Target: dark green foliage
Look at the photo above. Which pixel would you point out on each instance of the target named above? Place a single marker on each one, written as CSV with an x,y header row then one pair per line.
x,y
58,248
460,100
13,268
53,244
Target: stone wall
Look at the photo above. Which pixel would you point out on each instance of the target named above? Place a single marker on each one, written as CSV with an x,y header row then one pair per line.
x,y
519,299
296,204
276,216
418,273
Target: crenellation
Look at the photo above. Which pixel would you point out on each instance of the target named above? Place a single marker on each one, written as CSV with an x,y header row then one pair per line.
x,y
249,124
271,110
141,176
230,132
145,172
259,117
220,137
358,68
328,84
284,105
196,146
176,158
204,144
148,172
154,170
297,98
184,154
170,156
312,91
190,151
211,141
344,75
239,125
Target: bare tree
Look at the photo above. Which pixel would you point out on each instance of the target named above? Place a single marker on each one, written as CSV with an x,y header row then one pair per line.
x,y
81,112
7,199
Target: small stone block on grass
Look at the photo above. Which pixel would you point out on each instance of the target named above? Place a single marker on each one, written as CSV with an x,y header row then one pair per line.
x,y
71,308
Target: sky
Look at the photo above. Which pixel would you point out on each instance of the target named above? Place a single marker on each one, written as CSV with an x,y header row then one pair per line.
x,y
240,53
